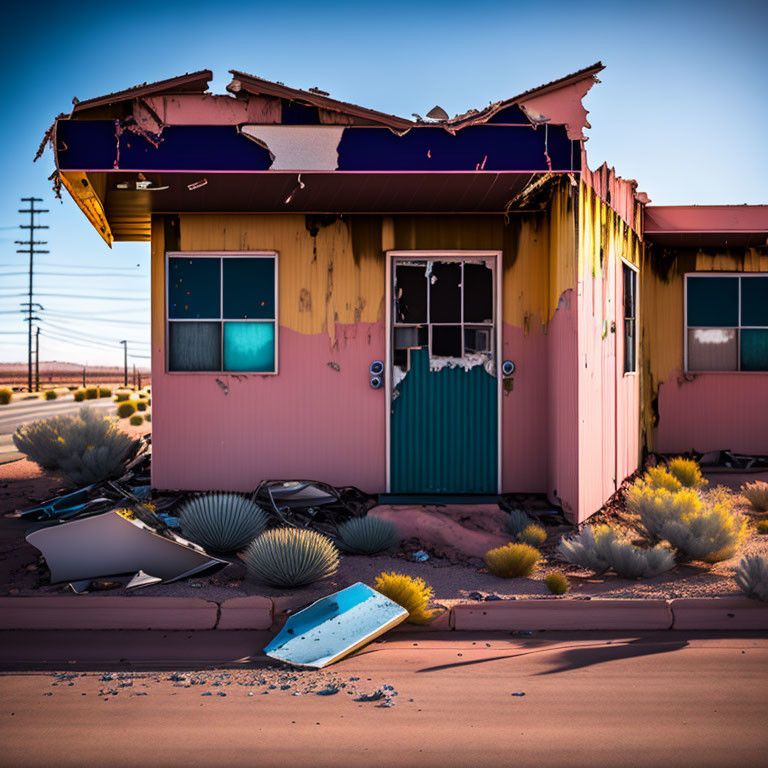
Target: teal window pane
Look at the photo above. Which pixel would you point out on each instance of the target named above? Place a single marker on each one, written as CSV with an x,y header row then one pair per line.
x,y
754,350
754,300
194,346
249,288
249,347
713,301
194,287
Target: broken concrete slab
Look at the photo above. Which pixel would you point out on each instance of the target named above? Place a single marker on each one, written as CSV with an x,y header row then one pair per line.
x,y
563,614
246,613
719,613
91,612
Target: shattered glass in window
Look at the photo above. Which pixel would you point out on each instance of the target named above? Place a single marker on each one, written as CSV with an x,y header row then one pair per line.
x,y
478,293
445,293
411,293
446,340
194,288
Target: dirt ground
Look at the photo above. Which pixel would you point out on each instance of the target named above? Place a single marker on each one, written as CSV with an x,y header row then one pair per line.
x,y
453,574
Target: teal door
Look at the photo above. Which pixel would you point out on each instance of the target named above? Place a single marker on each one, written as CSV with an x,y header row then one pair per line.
x,y
444,409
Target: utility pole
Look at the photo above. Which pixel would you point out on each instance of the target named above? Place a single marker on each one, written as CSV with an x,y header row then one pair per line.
x,y
37,359
30,249
125,362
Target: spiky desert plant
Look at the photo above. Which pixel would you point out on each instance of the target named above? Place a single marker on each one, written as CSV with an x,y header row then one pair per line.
x,y
657,506
222,522
710,534
687,472
122,395
291,557
40,442
51,394
136,420
126,409
557,583
756,494
512,560
411,593
105,392
79,395
5,395
367,535
517,521
752,576
588,548
532,534
91,393
762,527
631,562
661,477
141,405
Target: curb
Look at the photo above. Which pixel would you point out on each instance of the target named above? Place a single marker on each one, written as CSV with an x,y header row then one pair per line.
x,y
262,613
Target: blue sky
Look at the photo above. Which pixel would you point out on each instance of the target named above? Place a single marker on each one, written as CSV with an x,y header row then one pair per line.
x,y
682,107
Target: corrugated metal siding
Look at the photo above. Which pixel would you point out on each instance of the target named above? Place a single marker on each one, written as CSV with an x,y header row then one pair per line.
x,y
444,430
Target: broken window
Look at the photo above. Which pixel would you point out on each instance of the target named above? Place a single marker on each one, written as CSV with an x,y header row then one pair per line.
x,y
411,293
478,293
446,341
726,322
630,319
222,313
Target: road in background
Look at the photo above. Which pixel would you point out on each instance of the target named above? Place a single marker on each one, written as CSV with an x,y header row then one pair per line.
x,y
446,699
20,412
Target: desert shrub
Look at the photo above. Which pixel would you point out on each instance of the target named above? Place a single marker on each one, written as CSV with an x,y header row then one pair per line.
x,y
762,526
411,593
660,477
657,506
532,534
51,394
517,521
588,548
687,472
367,535
5,395
141,405
512,560
79,395
222,522
86,448
136,420
752,576
710,534
557,583
105,392
291,557
122,395
128,408
756,494
91,393
631,562
148,417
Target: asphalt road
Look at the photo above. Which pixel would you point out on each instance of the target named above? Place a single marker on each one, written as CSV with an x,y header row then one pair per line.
x,y
552,699
22,411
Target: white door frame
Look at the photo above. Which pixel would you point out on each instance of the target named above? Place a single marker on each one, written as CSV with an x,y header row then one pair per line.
x,y
497,257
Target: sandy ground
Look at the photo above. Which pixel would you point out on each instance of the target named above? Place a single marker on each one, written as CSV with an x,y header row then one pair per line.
x,y
670,699
453,576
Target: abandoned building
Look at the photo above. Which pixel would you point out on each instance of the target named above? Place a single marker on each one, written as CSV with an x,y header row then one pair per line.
x,y
438,306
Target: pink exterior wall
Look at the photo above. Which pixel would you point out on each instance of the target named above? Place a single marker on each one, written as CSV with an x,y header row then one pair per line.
x,y
712,412
309,422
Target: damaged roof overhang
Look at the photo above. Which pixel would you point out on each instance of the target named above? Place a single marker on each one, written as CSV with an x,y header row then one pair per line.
x,y
707,226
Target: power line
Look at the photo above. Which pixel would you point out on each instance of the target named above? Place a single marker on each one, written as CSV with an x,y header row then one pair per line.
x,y
77,296
74,317
84,334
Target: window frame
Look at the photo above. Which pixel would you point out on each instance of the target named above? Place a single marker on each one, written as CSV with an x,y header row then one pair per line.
x,y
634,268
738,328
221,255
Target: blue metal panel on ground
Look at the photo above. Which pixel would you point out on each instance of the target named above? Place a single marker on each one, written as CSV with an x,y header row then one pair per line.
x,y
444,430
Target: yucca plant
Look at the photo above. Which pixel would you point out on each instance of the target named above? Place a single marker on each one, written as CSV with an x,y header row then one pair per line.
x,y
51,394
532,534
291,557
411,593
126,409
588,548
512,560
86,448
79,395
367,535
752,576
91,393
756,494
687,472
136,420
517,521
710,534
557,583
222,522
5,395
